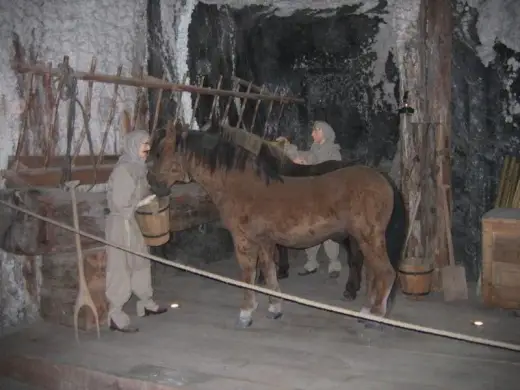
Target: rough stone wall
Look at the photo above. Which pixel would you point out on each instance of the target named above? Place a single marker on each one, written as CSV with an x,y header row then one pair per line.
x,y
114,32
20,280
485,101
349,64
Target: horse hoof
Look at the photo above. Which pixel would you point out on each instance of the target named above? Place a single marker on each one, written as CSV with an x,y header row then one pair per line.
x,y
334,274
274,316
283,275
307,272
369,324
372,325
349,295
243,323
364,310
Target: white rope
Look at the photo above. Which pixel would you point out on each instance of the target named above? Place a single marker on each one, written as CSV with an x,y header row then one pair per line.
x,y
287,297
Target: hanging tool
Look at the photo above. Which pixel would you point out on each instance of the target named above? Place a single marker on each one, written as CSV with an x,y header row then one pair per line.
x,y
84,298
68,92
454,284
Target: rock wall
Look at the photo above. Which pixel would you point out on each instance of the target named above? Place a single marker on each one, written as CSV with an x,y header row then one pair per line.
x,y
327,60
20,281
344,58
114,32
486,120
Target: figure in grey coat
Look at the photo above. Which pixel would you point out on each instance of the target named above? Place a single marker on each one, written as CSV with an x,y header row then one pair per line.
x,y
127,273
323,149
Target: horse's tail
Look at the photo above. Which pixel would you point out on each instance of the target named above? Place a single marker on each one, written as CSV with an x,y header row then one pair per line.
x,y
395,234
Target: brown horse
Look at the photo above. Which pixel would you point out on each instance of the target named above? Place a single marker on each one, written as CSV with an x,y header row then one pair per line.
x,y
263,202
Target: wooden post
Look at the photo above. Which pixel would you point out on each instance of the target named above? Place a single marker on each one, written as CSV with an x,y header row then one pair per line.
x,y
414,95
425,134
411,186
438,57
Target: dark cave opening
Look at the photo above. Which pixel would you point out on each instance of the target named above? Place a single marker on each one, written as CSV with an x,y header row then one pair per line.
x,y
323,60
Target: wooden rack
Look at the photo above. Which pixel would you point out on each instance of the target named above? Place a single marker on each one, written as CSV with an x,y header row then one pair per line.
x,y
153,82
509,187
26,169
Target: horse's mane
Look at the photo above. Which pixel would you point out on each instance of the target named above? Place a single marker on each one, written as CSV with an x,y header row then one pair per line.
x,y
215,150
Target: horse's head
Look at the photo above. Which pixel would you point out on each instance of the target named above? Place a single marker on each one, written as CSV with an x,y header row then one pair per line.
x,y
167,159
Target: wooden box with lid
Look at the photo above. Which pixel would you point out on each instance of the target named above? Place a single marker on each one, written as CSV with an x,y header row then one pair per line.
x,y
501,258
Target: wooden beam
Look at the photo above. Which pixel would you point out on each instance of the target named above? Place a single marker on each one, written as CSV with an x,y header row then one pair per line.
x,y
425,134
58,161
151,82
245,83
51,177
190,206
438,40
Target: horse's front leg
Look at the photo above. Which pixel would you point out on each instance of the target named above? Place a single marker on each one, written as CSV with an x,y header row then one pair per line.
x,y
380,274
246,253
267,255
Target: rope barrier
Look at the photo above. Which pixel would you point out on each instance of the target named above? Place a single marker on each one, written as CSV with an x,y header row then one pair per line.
x,y
287,297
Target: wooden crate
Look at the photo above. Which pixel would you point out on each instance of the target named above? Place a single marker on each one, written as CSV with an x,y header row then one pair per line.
x,y
59,287
501,258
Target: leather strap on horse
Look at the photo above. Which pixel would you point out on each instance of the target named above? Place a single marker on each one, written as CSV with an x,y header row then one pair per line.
x,y
287,297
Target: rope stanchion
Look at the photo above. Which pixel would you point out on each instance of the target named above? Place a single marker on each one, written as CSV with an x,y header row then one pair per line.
x,y
287,297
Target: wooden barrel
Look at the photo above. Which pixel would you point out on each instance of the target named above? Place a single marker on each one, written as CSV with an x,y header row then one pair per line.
x,y
154,221
415,279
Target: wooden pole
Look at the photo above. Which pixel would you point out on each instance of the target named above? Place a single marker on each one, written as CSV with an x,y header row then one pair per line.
x,y
247,84
152,82
87,104
438,56
411,187
425,135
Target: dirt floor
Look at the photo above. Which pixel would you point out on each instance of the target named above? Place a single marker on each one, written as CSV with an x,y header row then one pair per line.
x,y
197,347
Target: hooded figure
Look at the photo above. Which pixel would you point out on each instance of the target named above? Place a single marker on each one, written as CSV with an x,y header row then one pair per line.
x,y
127,273
323,149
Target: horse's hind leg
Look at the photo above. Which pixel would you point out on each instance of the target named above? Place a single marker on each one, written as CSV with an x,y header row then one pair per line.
x,y
380,270
355,263
370,293
283,262
246,253
281,259
266,257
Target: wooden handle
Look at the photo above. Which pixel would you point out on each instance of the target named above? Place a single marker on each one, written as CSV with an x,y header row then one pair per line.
x,y
447,224
410,223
